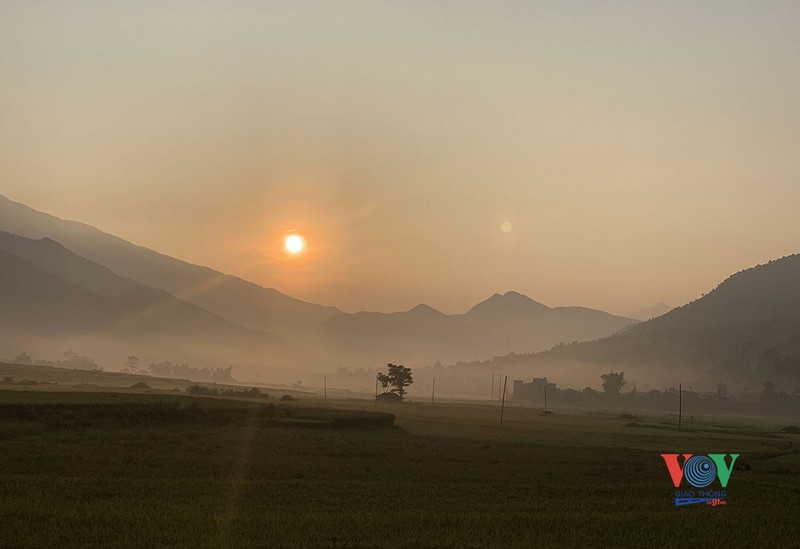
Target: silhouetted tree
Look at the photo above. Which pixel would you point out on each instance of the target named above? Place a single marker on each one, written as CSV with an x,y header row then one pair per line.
x,y
79,362
168,369
24,358
399,377
613,383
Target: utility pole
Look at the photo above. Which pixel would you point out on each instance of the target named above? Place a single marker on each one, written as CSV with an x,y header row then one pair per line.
x,y
680,406
503,404
325,387
433,392
376,390
492,393
545,397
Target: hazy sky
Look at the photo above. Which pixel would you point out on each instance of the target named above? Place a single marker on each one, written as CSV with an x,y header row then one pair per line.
x,y
642,151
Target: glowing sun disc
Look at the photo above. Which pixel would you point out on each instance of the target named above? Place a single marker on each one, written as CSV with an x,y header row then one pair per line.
x,y
294,244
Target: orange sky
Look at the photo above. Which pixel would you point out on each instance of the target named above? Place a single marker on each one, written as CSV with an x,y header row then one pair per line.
x,y
640,153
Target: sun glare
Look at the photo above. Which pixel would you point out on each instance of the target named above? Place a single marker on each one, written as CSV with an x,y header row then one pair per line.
x,y
294,244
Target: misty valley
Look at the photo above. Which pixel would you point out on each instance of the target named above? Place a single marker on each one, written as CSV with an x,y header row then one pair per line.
x,y
256,432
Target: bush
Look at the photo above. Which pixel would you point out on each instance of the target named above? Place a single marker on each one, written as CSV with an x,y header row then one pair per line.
x,y
202,390
288,398
28,382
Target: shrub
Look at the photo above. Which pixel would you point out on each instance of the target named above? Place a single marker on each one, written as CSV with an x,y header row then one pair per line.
x,y
201,390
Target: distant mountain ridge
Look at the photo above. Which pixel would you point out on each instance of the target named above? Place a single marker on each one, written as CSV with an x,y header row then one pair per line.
x,y
55,258
237,300
745,331
511,321
49,292
763,292
510,303
111,267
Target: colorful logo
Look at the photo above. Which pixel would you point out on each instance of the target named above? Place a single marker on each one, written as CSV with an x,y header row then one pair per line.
x,y
700,472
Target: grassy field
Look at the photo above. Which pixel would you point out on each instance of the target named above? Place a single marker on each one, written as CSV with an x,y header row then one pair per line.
x,y
156,469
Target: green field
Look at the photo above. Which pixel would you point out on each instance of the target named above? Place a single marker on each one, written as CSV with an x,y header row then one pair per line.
x,y
109,469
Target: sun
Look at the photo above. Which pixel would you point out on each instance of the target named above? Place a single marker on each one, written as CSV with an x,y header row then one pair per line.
x,y
294,244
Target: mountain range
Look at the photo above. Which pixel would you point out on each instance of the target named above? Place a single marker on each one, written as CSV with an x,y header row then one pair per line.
x,y
231,297
744,332
496,326
47,291
66,283
78,281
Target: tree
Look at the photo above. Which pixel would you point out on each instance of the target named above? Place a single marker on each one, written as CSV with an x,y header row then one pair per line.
x,y
613,383
24,358
132,363
588,392
79,362
399,377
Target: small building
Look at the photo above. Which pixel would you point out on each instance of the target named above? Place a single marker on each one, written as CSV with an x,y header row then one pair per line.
x,y
532,391
389,398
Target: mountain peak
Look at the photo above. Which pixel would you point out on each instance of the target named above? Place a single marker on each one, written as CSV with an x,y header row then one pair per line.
x,y
424,309
508,303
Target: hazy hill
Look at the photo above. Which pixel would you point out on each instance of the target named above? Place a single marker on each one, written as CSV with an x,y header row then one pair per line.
x,y
421,335
510,304
41,306
233,298
511,321
63,275
744,332
761,293
55,258
33,300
